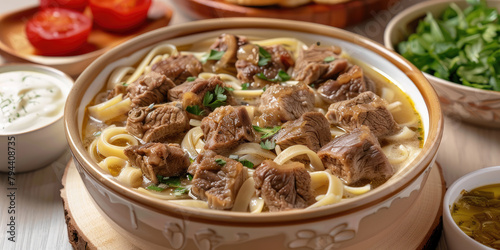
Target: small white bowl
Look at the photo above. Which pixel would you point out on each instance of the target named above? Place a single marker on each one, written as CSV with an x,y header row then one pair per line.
x,y
30,147
455,237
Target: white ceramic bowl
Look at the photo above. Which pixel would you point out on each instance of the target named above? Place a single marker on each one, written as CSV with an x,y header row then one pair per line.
x,y
154,224
44,141
476,106
456,239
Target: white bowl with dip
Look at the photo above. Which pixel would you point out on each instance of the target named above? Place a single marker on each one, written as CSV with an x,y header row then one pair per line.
x,y
455,238
32,99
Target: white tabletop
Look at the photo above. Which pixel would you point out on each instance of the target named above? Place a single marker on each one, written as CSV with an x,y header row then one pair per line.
x,y
39,217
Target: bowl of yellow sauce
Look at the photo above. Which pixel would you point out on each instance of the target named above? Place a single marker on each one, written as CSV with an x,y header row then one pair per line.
x,y
32,99
472,211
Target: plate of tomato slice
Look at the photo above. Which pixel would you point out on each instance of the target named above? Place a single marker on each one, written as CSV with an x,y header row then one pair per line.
x,y
69,35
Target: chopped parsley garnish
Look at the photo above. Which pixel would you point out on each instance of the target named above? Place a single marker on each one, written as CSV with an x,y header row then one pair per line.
x,y
215,99
245,163
264,57
245,86
267,131
229,88
460,45
124,84
173,181
195,110
180,191
191,78
282,76
189,177
212,55
97,133
268,144
154,188
329,59
220,162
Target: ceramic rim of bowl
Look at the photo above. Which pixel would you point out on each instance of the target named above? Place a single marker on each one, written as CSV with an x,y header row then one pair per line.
x,y
417,11
63,77
423,160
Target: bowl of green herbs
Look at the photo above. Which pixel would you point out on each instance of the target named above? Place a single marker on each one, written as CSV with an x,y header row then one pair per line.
x,y
456,44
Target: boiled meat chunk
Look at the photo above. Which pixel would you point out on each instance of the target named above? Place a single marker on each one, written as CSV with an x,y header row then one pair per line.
x,y
356,158
283,187
218,180
158,159
367,109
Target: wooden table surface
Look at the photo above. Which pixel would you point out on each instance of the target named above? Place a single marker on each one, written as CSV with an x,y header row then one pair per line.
x,y
39,212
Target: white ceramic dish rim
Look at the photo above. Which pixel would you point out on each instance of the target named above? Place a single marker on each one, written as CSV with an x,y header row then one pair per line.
x,y
475,179
417,11
423,160
63,77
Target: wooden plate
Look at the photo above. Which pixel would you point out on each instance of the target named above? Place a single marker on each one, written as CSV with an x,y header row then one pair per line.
x,y
420,228
15,46
337,15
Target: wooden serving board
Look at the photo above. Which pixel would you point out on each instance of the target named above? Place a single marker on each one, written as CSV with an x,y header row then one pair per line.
x,y
87,229
340,14
14,44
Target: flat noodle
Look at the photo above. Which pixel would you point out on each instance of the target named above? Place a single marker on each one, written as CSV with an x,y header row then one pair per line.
x,y
357,190
110,109
334,192
163,195
251,93
192,140
404,134
106,143
113,165
130,176
396,153
242,201
297,150
256,205
395,106
387,94
191,203
253,148
194,122
118,76
94,153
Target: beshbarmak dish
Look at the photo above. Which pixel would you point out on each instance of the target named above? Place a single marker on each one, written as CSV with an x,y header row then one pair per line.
x,y
32,101
468,104
232,136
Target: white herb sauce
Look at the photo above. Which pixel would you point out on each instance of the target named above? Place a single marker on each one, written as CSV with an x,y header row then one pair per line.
x,y
29,100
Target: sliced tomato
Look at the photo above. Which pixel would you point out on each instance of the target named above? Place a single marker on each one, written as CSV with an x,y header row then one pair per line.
x,y
119,15
57,31
78,5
